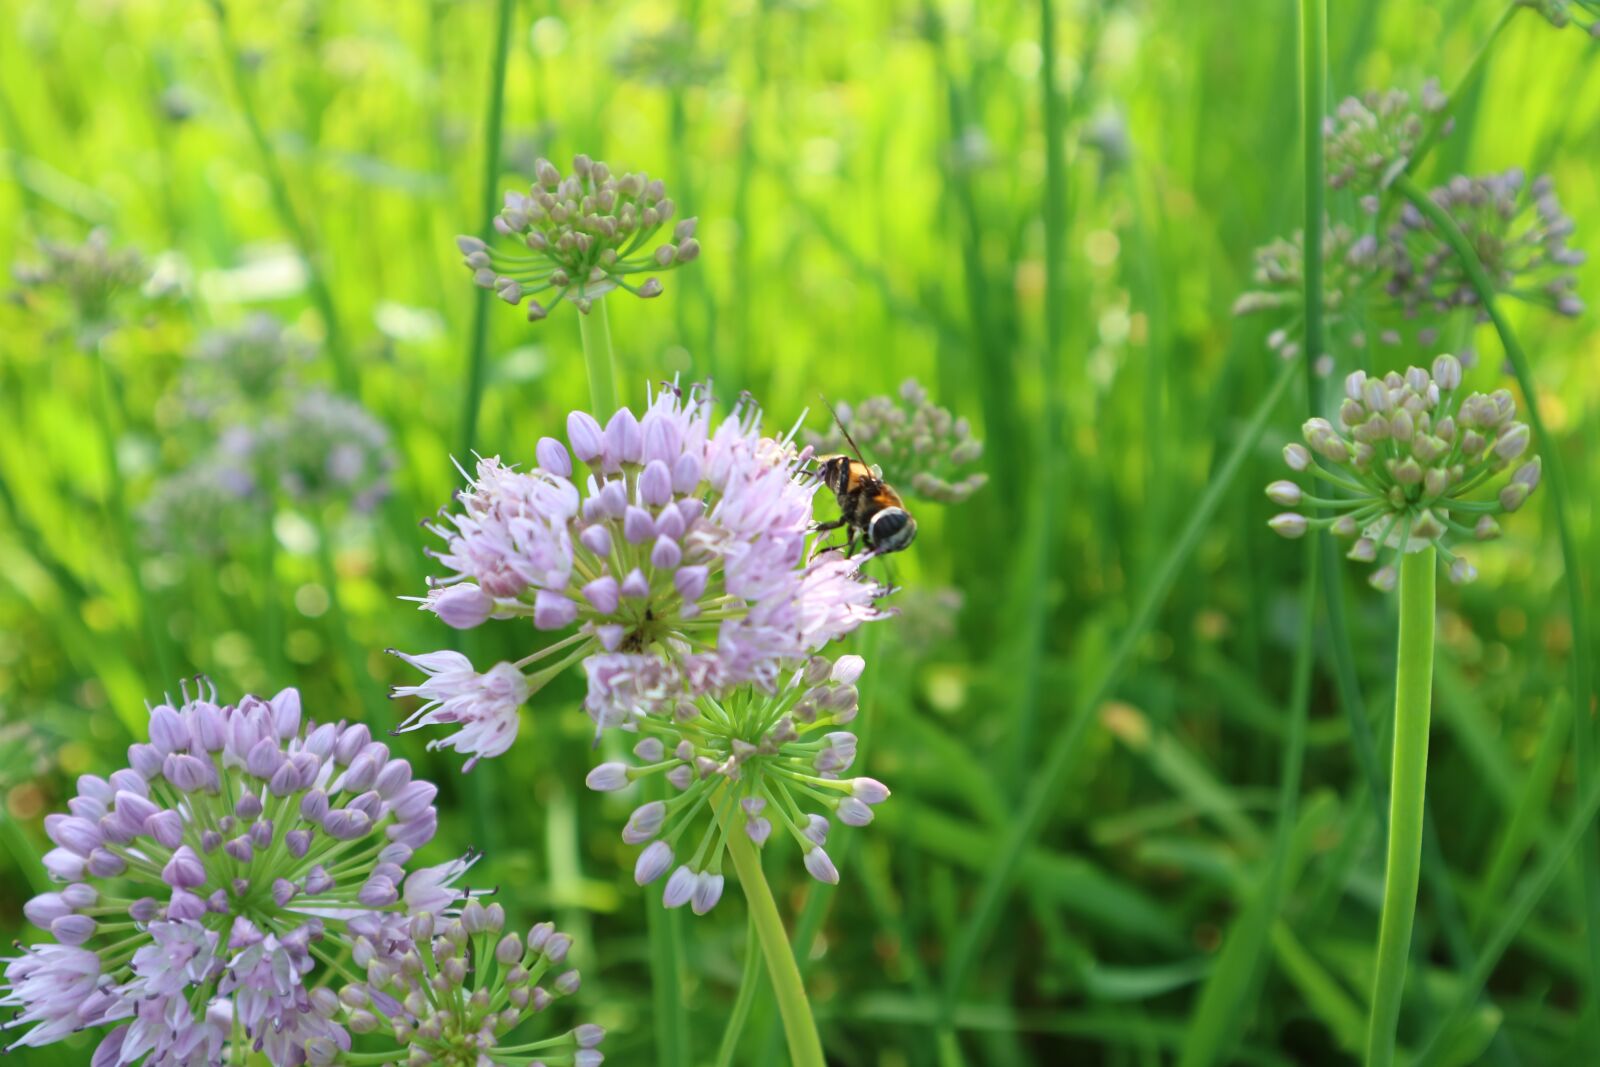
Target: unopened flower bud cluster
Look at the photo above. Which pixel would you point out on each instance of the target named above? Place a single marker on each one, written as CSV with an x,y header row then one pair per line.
x,y
920,446
454,991
1411,463
1369,139
584,235
748,762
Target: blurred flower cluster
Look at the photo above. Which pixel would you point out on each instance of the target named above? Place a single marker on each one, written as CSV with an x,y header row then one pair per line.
x,y
1407,467
1585,14
210,887
1401,277
261,431
917,444
744,762
587,234
91,278
1369,139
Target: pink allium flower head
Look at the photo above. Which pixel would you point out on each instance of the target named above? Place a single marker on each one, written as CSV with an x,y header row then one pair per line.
x,y
680,560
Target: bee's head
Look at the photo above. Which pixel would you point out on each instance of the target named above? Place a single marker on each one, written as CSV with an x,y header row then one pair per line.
x,y
834,472
891,530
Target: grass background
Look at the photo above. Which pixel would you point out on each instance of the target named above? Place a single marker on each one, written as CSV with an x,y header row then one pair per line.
x,y
877,200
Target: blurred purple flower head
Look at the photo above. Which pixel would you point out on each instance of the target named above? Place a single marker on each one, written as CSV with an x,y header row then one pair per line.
x,y
679,563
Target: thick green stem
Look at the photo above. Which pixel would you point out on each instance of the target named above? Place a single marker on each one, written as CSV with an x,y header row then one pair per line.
x,y
492,123
595,329
1413,701
666,975
805,1047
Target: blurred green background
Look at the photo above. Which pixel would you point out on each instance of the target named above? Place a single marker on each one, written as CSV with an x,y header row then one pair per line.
x,y
877,202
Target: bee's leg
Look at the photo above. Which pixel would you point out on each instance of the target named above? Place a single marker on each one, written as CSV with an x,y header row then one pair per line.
x,y
824,527
850,546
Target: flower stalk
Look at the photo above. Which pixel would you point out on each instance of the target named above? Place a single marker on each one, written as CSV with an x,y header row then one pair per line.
x,y
595,330
805,1047
1408,775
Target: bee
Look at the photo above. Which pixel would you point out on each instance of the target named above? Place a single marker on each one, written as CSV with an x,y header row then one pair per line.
x,y
868,506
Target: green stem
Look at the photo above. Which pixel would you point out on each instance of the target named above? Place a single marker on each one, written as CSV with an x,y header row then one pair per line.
x,y
1413,700
1045,789
595,330
805,1047
361,679
278,188
1556,478
1474,72
749,983
492,123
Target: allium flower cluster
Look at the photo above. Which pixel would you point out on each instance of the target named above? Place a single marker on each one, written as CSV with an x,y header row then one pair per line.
x,y
207,507
242,366
1350,262
588,233
1517,230
328,448
667,57
745,763
452,991
90,275
205,880
680,566
919,445
1369,139
1408,463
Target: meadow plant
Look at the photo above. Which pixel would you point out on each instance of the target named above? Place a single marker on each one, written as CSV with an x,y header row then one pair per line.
x,y
919,445
1370,139
680,566
1408,466
744,762
90,277
588,234
204,881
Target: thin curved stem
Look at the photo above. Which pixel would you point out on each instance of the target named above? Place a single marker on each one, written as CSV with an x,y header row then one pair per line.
x,y
492,123
805,1047
1046,782
1474,71
749,982
1413,703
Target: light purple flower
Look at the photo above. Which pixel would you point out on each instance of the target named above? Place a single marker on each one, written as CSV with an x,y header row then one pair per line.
x,y
681,558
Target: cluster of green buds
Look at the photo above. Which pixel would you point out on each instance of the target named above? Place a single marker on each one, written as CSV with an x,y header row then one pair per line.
x,y
1369,139
1350,262
1517,230
89,276
919,445
587,234
450,992
1410,461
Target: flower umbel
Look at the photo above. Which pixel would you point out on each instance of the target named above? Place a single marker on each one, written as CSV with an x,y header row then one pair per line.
x,y
746,762
1518,231
205,880
919,445
588,233
1407,462
1369,139
452,991
681,565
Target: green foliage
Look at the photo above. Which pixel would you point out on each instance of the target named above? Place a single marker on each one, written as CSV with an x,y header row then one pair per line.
x,y
878,199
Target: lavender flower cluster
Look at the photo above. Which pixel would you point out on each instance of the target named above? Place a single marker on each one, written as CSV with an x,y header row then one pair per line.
x,y
919,445
681,567
1369,139
89,276
741,763
1518,231
210,883
1408,466
588,232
